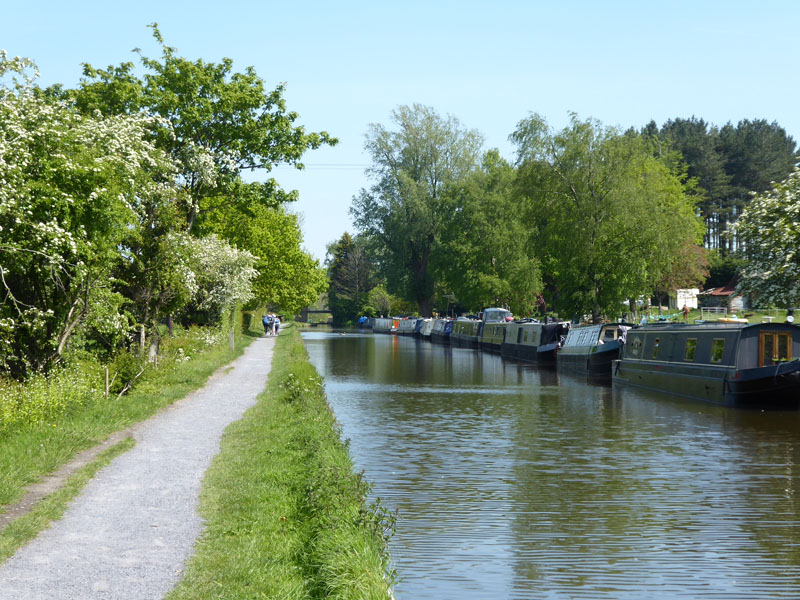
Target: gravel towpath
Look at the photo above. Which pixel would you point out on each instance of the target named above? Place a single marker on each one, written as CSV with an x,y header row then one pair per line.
x,y
130,532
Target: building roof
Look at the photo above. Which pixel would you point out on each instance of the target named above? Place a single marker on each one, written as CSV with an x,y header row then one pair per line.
x,y
727,290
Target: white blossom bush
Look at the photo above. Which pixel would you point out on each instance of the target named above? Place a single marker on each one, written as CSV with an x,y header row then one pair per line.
x,y
770,228
72,190
216,275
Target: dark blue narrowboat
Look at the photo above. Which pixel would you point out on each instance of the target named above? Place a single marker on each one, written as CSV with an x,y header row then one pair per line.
x,y
531,341
590,349
725,363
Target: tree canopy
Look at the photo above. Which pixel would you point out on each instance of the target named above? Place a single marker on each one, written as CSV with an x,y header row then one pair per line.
x,y
350,272
609,218
213,122
403,211
728,164
486,258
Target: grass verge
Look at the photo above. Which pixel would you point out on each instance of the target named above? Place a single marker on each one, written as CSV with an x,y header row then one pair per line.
x,y
28,452
286,516
53,506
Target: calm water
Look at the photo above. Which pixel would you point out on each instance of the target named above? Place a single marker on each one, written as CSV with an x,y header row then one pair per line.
x,y
514,482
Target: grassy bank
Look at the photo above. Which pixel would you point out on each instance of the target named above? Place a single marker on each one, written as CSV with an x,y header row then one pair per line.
x,y
68,412
286,515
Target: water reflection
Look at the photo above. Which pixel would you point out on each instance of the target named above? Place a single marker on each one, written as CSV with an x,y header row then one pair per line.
x,y
514,482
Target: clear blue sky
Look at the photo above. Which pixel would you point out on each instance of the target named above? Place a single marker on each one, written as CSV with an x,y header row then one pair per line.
x,y
348,64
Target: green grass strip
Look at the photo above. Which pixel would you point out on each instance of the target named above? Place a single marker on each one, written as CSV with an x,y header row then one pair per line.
x,y
51,508
286,516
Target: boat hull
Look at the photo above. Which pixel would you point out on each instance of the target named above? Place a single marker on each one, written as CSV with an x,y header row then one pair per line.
x,y
461,341
596,362
754,388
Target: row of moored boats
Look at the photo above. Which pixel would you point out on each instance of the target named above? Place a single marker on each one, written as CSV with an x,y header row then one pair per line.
x,y
732,363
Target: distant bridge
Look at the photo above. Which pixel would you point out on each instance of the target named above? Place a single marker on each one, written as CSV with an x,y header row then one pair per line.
x,y
303,317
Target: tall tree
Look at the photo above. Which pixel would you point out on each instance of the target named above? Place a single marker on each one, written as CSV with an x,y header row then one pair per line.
x,y
609,217
214,122
350,278
486,257
698,143
402,212
757,153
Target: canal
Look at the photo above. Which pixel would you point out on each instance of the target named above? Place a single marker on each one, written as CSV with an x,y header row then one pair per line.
x,y
513,481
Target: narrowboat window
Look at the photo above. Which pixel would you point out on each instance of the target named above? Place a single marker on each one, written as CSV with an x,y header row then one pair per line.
x,y
519,335
533,336
691,348
636,346
609,334
655,349
717,350
783,347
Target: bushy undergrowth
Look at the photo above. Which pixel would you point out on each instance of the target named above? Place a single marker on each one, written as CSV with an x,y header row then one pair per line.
x,y
41,399
287,516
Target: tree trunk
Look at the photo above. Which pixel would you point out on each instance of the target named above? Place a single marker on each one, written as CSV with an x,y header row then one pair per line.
x,y
420,284
426,307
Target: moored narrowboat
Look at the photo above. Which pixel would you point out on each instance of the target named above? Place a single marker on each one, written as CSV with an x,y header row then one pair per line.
x,y
466,333
492,336
731,363
384,325
407,326
424,328
532,341
591,349
440,334
492,333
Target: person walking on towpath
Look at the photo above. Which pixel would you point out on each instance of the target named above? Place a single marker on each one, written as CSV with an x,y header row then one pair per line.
x,y
265,323
276,325
270,324
129,534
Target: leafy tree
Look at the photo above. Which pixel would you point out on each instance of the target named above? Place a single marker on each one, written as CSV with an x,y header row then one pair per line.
x,y
770,229
609,218
380,302
723,268
402,212
350,277
288,278
728,164
213,122
485,255
690,269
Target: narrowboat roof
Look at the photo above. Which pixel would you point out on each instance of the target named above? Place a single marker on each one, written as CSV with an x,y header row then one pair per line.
x,y
711,325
